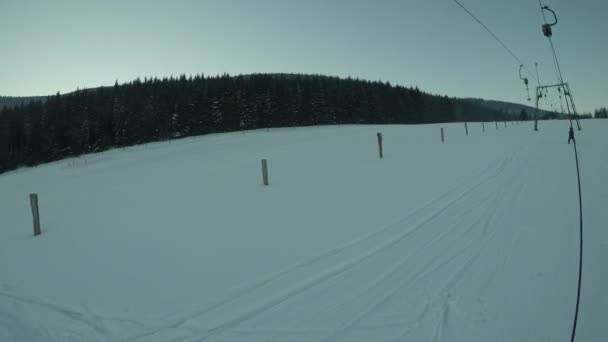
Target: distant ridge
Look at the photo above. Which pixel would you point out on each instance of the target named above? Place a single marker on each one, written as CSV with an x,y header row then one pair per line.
x,y
510,107
14,101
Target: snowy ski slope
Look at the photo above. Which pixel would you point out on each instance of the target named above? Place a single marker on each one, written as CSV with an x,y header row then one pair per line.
x,y
475,239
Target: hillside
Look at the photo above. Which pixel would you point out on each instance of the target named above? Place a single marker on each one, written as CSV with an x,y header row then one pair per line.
x,y
99,119
508,107
474,239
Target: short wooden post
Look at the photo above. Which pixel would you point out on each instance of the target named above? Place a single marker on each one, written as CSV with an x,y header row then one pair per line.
x,y
380,145
442,136
35,213
483,127
265,171
505,124
496,122
466,129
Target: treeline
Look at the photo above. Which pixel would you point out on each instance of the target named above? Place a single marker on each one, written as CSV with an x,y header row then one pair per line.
x,y
11,101
601,113
159,109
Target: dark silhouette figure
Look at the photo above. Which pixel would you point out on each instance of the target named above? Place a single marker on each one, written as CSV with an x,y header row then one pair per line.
x,y
571,135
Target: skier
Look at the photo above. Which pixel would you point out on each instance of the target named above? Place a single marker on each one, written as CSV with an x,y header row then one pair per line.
x,y
571,135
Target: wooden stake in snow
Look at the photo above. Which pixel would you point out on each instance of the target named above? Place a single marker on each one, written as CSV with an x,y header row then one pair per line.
x,y
380,145
265,171
442,136
466,129
35,213
496,125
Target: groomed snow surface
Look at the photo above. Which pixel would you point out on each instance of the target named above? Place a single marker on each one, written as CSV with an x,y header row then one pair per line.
x,y
474,239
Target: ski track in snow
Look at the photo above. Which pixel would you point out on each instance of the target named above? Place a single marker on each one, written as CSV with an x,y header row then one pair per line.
x,y
427,274
487,175
432,204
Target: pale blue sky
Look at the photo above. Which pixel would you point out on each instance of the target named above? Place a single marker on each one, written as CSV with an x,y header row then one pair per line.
x,y
59,45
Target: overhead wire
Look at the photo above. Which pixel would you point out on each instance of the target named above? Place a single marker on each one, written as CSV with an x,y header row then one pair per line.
x,y
556,61
561,102
570,114
578,176
495,37
580,256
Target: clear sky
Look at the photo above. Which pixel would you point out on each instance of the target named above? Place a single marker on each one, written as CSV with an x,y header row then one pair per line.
x,y
59,45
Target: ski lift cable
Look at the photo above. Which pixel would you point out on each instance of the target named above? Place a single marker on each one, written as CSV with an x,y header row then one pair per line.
x,y
521,77
556,65
547,32
580,256
561,102
494,36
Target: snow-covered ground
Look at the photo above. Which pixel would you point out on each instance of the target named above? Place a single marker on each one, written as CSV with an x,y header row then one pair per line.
x,y
475,239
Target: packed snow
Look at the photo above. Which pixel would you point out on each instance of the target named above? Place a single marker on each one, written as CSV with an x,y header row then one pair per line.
x,y
474,239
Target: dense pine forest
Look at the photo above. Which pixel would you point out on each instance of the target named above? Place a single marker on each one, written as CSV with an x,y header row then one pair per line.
x,y
98,119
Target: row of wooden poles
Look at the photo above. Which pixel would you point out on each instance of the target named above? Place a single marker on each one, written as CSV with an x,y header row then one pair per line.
x,y
466,129
265,181
380,147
